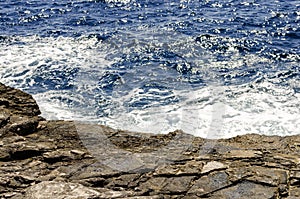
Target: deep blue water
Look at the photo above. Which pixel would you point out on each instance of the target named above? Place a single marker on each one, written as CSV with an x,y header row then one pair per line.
x,y
207,67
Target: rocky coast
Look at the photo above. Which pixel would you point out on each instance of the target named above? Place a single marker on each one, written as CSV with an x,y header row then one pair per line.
x,y
42,159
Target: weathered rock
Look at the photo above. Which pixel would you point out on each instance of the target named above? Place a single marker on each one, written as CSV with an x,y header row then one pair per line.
x,y
60,190
59,159
24,126
294,193
245,190
243,154
188,169
17,101
167,185
273,177
210,183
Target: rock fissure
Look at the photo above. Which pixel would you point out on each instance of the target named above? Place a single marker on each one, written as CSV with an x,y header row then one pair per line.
x,y
207,195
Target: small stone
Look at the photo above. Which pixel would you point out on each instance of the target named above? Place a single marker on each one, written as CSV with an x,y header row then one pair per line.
x,y
212,166
203,157
58,155
78,152
12,195
42,125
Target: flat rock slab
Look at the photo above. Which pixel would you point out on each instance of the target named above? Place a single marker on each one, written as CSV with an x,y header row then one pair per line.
x,y
60,159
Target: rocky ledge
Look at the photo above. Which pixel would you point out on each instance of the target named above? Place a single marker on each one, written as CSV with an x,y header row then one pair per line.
x,y
62,159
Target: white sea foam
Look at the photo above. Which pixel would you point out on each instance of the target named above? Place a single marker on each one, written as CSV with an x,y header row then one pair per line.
x,y
212,111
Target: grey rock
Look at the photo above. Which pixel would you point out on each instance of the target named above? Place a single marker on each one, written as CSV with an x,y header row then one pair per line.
x,y
168,186
245,190
210,183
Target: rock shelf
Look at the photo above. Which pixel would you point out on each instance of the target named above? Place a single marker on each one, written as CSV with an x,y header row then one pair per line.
x,y
64,159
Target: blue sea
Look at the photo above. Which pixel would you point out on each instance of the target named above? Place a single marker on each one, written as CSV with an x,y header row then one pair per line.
x,y
214,69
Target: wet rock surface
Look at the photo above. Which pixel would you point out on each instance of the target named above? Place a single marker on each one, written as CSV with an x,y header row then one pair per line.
x,y
60,159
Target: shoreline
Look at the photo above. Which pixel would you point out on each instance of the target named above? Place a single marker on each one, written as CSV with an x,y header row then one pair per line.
x,y
47,159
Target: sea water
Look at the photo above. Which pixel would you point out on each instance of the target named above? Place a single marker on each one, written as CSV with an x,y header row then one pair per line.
x,y
212,68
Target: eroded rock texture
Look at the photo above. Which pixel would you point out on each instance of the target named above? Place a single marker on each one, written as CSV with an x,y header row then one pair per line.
x,y
70,160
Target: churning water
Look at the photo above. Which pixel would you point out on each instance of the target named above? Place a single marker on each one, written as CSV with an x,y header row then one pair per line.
x,y
211,68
